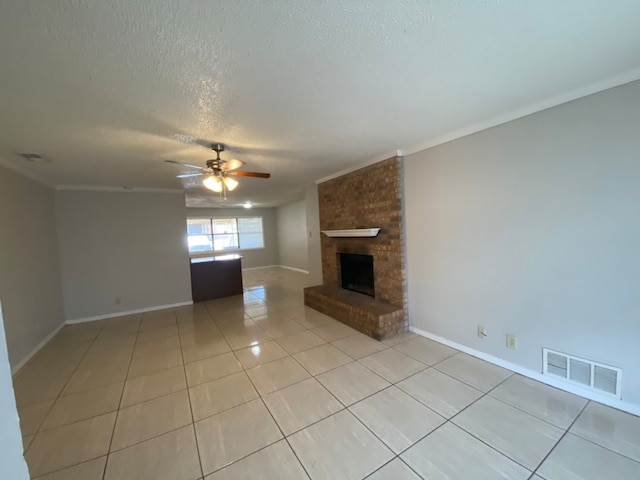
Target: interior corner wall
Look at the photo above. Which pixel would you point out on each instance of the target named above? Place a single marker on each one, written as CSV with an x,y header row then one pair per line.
x,y
30,281
533,228
314,250
292,235
262,257
122,251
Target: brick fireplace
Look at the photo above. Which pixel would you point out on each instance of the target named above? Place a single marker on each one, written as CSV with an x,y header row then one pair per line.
x,y
367,198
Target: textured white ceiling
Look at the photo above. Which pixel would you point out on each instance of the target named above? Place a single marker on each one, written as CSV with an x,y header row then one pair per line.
x,y
107,90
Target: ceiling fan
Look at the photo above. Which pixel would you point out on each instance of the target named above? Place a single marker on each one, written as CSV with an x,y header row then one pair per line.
x,y
218,173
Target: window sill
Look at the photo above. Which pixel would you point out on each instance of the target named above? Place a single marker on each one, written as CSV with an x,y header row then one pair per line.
x,y
222,252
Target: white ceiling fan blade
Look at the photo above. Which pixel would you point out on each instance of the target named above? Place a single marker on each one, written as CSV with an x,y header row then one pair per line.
x,y
175,162
232,164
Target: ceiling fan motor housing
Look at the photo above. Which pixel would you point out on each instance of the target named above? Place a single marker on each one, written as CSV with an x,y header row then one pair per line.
x,y
216,163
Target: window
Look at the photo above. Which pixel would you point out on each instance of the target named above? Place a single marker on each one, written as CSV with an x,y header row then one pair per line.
x,y
207,235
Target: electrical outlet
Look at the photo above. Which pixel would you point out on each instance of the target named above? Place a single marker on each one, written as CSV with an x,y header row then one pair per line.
x,y
118,300
482,332
512,341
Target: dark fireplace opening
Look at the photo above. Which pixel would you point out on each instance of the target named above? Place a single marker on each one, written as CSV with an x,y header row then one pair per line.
x,y
356,273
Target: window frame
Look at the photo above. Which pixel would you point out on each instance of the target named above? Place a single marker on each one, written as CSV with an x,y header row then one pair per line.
x,y
214,252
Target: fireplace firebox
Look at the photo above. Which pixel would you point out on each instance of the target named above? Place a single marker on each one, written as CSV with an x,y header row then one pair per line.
x,y
356,273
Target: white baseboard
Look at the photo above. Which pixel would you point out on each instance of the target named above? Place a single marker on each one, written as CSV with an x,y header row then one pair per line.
x,y
294,269
619,404
259,268
128,312
16,368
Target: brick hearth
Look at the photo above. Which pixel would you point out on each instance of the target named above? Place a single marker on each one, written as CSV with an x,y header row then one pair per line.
x,y
367,198
367,315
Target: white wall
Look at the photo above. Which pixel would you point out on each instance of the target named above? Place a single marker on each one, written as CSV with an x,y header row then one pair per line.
x,y
292,235
126,245
12,464
314,254
251,258
533,228
30,285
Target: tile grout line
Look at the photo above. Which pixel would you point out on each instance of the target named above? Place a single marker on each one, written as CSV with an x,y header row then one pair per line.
x,y
568,431
138,442
601,446
363,398
115,423
515,407
480,391
55,400
513,374
306,328
345,408
15,377
484,394
284,437
193,421
77,421
146,401
323,386
397,457
448,420
260,397
39,430
126,374
150,400
533,473
313,376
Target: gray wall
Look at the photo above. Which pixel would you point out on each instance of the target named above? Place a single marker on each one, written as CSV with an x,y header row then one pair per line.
x,y
125,245
533,228
292,235
251,258
30,285
12,464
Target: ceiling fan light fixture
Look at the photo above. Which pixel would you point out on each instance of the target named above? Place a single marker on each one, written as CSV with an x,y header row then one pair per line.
x,y
212,182
218,175
230,183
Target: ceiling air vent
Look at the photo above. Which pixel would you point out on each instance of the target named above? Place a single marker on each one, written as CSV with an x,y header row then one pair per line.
x,y
34,158
586,373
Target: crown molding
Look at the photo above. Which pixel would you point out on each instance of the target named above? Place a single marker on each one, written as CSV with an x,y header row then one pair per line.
x,y
607,84
380,158
597,87
94,188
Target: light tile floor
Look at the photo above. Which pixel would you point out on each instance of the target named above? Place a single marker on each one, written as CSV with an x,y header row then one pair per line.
x,y
260,387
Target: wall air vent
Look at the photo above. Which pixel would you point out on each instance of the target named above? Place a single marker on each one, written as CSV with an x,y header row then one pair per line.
x,y
587,374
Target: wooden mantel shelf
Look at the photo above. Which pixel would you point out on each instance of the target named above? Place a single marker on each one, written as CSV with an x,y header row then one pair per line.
x,y
355,232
